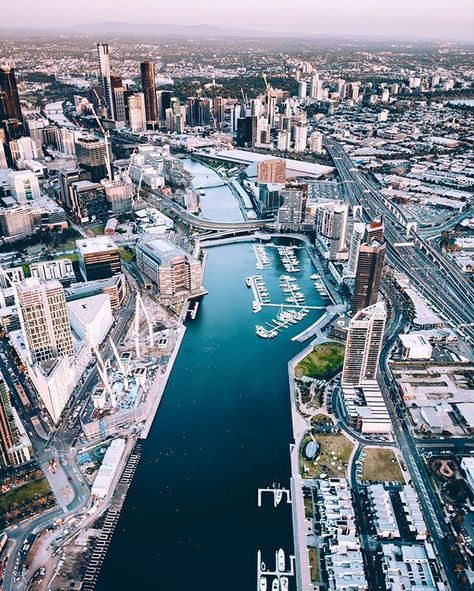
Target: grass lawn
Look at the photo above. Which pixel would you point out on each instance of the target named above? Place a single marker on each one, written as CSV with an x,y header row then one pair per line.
x,y
321,420
23,495
98,230
314,564
72,257
381,465
334,453
323,363
127,255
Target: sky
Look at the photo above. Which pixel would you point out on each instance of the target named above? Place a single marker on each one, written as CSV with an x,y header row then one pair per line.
x,y
437,19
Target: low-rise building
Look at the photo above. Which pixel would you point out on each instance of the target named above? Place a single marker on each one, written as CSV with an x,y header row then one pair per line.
x,y
415,346
108,469
344,564
60,269
366,408
413,512
91,318
407,566
383,512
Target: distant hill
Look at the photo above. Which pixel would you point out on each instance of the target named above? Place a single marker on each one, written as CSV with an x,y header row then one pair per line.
x,y
166,30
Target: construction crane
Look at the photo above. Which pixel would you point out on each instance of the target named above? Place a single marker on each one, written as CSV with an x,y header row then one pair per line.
x,y
106,136
264,76
136,332
123,370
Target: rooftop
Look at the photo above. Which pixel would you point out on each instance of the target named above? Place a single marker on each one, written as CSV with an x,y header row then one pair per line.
x,y
97,244
87,308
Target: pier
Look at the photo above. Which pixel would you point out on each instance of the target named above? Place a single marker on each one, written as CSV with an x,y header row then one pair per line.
x,y
262,570
277,493
262,258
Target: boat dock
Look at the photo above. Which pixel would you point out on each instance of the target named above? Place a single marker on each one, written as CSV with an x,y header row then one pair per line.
x,y
262,258
262,571
289,259
291,289
193,311
277,493
259,289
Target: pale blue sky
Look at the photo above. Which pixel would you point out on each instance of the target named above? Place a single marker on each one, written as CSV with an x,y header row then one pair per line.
x,y
448,19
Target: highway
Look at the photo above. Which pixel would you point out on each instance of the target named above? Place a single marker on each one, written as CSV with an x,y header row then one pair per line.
x,y
435,278
168,205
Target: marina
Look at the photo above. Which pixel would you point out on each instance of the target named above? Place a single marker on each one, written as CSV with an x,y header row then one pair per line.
x,y
283,319
289,259
277,492
263,260
319,285
207,453
291,290
279,577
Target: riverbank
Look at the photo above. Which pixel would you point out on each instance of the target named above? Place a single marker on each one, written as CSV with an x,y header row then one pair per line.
x,y
222,432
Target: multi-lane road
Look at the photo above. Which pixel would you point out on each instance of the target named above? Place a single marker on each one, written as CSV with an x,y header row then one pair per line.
x,y
59,446
434,275
450,292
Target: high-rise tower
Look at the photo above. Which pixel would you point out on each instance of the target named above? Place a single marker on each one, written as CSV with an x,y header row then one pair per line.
x,y
368,275
149,93
105,77
9,99
363,345
44,319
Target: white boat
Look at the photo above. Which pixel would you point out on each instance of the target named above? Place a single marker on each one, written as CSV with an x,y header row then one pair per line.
x,y
275,585
314,276
256,307
247,281
284,583
281,560
263,584
277,497
262,566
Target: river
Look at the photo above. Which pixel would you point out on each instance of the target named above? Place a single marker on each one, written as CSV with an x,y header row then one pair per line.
x,y
218,202
190,520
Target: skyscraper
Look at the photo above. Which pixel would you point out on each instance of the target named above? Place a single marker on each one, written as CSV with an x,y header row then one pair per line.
x,y
375,230
164,102
357,237
368,275
149,93
246,131
363,345
137,112
301,136
302,89
118,98
9,99
91,157
105,77
44,319
218,110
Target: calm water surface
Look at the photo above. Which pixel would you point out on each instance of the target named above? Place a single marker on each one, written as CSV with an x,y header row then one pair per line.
x,y
190,520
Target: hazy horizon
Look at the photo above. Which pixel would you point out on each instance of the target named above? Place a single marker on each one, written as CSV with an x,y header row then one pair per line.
x,y
423,19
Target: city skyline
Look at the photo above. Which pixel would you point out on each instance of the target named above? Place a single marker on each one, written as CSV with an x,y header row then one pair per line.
x,y
423,19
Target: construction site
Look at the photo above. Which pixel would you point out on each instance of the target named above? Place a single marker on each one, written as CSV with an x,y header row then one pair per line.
x,y
132,381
